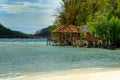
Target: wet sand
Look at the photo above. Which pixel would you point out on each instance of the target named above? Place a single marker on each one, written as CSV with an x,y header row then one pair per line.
x,y
93,74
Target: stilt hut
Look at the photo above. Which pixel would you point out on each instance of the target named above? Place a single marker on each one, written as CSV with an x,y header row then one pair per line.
x,y
66,34
91,39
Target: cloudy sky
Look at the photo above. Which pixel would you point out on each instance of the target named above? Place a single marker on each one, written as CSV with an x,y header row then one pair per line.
x,y
28,15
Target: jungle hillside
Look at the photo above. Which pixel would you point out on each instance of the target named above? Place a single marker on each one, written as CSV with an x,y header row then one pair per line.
x,y
102,17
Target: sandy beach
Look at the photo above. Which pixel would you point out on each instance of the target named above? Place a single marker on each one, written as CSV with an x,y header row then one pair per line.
x,y
75,75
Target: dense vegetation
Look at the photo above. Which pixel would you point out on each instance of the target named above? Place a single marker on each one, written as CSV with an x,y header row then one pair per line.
x,y
45,32
101,16
7,33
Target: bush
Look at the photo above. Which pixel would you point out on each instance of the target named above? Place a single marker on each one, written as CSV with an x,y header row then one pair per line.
x,y
105,27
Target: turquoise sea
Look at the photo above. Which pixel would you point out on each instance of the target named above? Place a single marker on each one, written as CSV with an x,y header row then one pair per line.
x,y
20,56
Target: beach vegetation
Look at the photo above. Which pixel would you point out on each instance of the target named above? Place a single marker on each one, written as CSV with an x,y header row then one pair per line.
x,y
101,16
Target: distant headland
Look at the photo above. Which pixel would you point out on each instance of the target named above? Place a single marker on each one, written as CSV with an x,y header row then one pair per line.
x,y
8,33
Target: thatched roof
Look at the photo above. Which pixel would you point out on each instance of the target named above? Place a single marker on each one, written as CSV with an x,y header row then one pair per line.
x,y
84,30
66,29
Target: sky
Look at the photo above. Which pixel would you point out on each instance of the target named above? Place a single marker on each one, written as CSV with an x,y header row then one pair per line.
x,y
28,15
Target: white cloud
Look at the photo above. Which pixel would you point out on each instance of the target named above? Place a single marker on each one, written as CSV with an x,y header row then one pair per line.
x,y
21,7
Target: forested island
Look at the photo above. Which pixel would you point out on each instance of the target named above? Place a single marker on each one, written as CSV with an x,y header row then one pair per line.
x,y
45,32
102,17
8,33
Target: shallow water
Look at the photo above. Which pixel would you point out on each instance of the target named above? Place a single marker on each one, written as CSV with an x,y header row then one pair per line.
x,y
19,56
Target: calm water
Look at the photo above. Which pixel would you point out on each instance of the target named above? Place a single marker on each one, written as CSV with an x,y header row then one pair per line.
x,y
32,55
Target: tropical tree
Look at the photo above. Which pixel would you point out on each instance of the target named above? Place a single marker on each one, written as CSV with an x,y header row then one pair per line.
x,y
101,16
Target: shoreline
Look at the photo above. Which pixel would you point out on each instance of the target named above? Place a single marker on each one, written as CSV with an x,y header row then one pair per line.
x,y
87,74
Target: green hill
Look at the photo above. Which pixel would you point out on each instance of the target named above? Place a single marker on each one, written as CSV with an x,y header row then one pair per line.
x,y
8,33
45,32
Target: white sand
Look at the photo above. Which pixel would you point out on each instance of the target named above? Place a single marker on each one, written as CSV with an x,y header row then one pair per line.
x,y
76,75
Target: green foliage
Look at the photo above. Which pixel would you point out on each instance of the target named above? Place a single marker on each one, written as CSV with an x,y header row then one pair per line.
x,y
45,32
52,27
101,16
69,13
118,9
79,12
102,26
114,24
